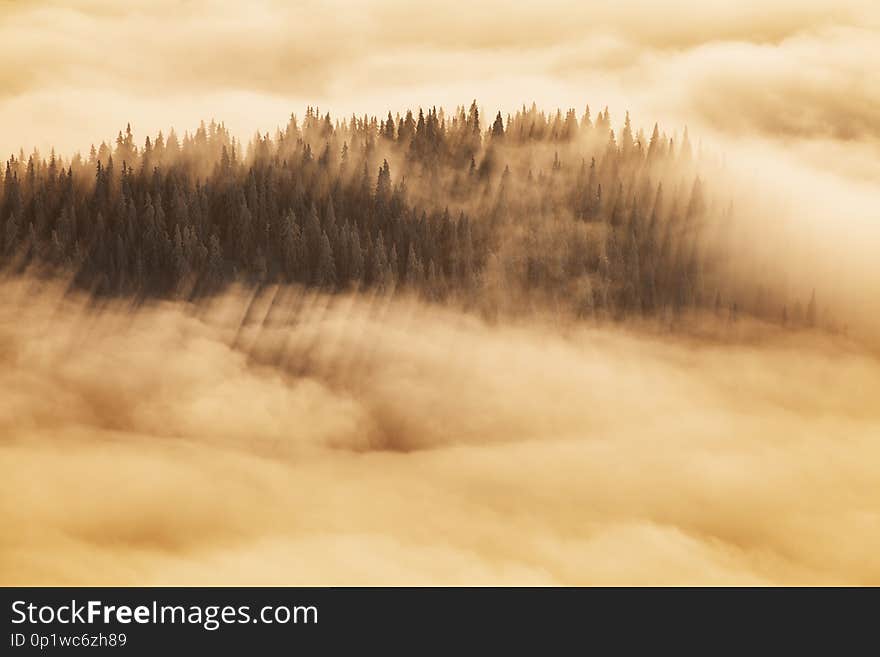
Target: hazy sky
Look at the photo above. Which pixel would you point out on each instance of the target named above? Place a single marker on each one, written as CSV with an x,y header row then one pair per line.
x,y
75,71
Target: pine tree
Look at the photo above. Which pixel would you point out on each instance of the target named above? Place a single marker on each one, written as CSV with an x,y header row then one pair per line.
x,y
181,263
498,126
325,270
10,237
381,273
654,145
626,142
293,249
313,240
383,183
415,273
356,262
215,264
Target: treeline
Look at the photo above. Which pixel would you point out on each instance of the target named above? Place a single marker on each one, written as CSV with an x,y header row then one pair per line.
x,y
530,209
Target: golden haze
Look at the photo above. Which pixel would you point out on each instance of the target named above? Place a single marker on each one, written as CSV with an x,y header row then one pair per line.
x,y
388,442
301,439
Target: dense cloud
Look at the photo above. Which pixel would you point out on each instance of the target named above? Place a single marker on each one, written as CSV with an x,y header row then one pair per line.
x,y
352,440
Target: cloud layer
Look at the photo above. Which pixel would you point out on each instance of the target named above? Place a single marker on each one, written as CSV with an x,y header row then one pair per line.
x,y
353,441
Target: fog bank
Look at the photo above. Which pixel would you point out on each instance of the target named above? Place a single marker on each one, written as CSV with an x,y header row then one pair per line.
x,y
294,438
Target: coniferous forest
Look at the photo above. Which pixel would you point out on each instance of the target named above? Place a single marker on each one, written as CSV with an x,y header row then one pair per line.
x,y
529,210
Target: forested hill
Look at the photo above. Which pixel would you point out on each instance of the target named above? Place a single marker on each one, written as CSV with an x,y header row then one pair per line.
x,y
513,212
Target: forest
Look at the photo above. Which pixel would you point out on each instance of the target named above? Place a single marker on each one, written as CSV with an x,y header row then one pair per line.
x,y
531,211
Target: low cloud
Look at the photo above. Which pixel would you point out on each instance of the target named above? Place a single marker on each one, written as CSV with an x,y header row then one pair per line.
x,y
809,87
300,439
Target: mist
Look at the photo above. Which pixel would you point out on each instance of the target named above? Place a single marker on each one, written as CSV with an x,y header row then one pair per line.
x,y
290,437
521,418
780,90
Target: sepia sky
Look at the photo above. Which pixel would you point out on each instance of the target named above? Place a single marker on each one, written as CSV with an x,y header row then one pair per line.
x,y
73,72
